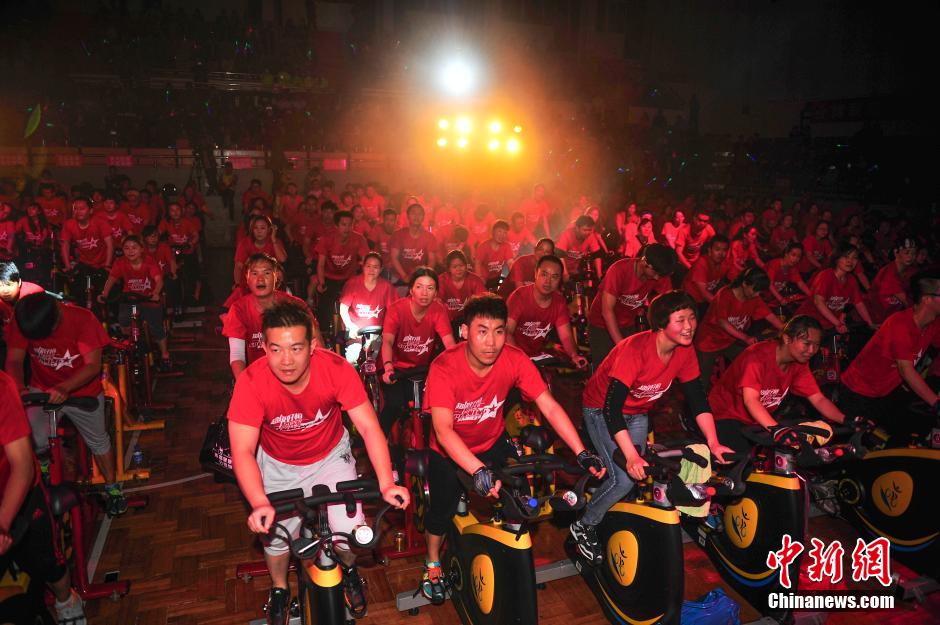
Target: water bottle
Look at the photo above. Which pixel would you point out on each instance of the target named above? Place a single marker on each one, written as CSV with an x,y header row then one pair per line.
x,y
570,497
700,492
825,454
138,457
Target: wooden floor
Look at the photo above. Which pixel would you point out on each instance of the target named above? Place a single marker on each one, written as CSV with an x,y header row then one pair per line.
x,y
180,552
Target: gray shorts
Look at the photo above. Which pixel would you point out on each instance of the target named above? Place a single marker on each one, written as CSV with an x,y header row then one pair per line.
x,y
89,424
338,466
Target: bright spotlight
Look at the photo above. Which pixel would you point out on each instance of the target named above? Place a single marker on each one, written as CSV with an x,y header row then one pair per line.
x,y
463,124
443,124
442,142
493,144
495,127
458,77
462,142
517,129
512,145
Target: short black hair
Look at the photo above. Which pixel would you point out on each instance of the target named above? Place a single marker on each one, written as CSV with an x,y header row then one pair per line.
x,y
753,276
793,245
329,205
9,272
148,230
718,238
844,248
37,315
454,255
287,315
546,240
486,305
662,258
799,326
662,307
132,238
550,258
500,224
340,215
421,272
923,283
584,220
413,206
389,211
261,257
374,255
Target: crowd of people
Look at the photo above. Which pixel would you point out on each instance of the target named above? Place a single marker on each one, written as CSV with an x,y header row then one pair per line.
x,y
729,298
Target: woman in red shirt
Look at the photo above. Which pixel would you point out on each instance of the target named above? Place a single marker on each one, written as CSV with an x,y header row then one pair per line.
x,y
263,240
36,236
784,276
182,236
731,313
411,327
783,235
834,288
457,285
364,302
743,251
816,249
7,232
755,385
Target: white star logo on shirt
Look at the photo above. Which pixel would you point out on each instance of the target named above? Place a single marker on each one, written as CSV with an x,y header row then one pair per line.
x,y
426,346
66,360
490,410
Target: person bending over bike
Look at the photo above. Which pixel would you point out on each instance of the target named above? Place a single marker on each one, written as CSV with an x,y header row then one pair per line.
x,y
364,302
871,384
27,534
64,344
411,326
757,382
466,389
620,394
286,431
536,309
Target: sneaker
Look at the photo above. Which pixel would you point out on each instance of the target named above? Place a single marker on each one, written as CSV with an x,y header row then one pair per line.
x,y
353,593
278,606
432,583
585,537
44,465
71,611
117,502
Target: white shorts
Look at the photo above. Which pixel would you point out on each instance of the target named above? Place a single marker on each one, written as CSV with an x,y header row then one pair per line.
x,y
338,466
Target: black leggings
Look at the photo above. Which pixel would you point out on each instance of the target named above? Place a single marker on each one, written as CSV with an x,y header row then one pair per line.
x,y
445,488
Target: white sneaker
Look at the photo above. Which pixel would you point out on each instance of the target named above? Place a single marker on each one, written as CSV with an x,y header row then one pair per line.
x,y
71,611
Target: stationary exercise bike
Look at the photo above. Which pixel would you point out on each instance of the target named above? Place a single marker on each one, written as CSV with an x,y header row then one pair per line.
x,y
642,576
320,575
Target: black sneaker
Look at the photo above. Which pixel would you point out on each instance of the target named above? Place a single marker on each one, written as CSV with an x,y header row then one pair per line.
x,y
353,593
278,606
585,538
117,502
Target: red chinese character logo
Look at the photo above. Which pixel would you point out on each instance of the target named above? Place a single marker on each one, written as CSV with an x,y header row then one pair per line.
x,y
825,561
872,560
789,552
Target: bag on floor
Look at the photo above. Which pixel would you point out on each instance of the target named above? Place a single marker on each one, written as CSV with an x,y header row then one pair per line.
x,y
216,452
714,608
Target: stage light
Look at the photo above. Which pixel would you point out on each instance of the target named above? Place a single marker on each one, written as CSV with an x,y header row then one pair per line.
x,y
495,127
517,129
512,145
462,142
458,77
442,142
443,124
493,144
464,125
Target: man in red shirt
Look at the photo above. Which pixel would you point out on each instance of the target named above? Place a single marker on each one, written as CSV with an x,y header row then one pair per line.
x,y
338,259
535,209
890,357
579,241
118,222
27,536
624,293
139,213
413,246
94,248
12,288
494,255
381,237
889,288
536,309
287,432
707,273
53,206
466,389
520,238
522,270
64,344
690,241
252,193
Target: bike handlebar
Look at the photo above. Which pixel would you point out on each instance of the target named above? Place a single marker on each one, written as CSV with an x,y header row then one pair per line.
x,y
87,404
420,371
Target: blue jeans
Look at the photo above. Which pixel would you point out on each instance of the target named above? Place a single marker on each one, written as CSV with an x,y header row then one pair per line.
x,y
617,483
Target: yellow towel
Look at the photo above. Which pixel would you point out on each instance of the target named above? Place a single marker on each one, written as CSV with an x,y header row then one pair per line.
x,y
691,473
817,440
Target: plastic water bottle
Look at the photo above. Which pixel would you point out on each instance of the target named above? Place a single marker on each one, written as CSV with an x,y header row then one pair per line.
x,y
700,491
138,457
570,497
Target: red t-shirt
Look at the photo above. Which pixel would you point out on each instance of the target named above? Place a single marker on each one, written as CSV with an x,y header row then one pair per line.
x,y
757,368
413,251
303,428
140,280
691,243
139,216
414,340
522,271
380,241
13,425
780,238
634,362
181,235
7,239
477,401
119,224
710,336
534,211
819,250
703,270
246,247
367,308
89,242
59,356
516,239
622,282
342,259
874,372
884,292
30,237
54,209
243,321
493,260
835,293
162,256
454,298
533,323
574,249
781,276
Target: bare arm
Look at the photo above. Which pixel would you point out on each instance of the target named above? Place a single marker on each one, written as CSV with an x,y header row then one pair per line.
x,y
396,263
367,424
347,321
733,331
916,383
608,301
14,367
826,408
109,248
443,422
19,455
511,329
244,441
756,409
824,310
558,419
566,337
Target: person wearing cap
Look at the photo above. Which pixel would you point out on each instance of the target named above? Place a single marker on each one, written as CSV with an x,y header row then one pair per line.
x,y
624,294
888,292
689,242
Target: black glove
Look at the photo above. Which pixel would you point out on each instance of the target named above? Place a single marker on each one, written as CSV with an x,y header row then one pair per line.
x,y
588,461
483,481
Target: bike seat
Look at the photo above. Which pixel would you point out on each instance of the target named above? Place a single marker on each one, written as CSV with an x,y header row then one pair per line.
x,y
62,498
370,331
